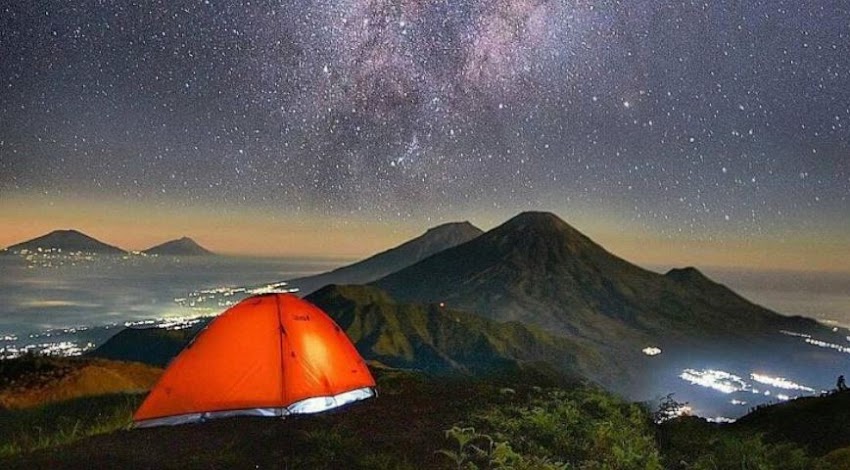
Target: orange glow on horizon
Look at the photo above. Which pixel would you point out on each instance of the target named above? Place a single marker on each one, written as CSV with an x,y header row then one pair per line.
x,y
265,232
222,230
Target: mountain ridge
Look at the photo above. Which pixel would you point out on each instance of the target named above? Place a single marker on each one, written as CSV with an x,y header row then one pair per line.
x,y
429,338
536,268
435,339
434,240
154,346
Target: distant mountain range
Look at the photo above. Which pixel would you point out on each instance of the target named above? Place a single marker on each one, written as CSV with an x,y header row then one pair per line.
x,y
433,241
74,241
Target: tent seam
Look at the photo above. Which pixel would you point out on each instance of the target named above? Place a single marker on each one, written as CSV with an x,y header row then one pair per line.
x,y
281,333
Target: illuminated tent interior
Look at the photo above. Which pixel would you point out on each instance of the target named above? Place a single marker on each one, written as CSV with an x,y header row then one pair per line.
x,y
268,355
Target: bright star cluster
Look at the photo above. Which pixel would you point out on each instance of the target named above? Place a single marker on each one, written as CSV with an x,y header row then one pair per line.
x,y
690,117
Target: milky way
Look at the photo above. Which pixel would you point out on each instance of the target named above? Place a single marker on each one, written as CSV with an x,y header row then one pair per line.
x,y
682,115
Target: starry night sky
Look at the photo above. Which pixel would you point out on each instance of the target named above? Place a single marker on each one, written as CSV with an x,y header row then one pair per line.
x,y
711,122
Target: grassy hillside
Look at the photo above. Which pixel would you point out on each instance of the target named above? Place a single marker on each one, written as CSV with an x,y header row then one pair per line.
x,y
422,337
436,339
526,420
821,424
806,433
51,425
36,380
402,428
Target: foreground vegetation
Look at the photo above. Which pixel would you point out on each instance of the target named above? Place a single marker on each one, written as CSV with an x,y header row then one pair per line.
x,y
522,421
56,424
556,429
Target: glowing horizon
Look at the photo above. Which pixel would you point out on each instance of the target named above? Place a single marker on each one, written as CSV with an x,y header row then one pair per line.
x,y
267,233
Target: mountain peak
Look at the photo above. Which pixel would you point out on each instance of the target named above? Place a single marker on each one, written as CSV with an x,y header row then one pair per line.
x,y
687,274
538,216
434,240
464,226
67,240
538,269
538,222
453,232
543,230
67,231
67,234
183,246
516,271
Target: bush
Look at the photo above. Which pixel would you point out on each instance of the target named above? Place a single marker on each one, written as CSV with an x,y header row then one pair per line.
x,y
30,367
692,443
753,454
475,450
583,428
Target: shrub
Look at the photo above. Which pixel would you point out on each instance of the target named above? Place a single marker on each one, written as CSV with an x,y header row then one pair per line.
x,y
753,454
581,428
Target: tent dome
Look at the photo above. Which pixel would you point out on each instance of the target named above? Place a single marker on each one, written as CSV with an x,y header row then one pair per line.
x,y
268,355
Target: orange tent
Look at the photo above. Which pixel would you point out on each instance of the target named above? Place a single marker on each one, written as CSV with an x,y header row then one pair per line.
x,y
268,355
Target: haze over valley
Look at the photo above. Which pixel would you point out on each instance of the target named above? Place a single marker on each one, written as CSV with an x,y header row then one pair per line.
x,y
71,302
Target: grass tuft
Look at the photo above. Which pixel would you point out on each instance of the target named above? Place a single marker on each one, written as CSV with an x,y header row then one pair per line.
x,y
56,424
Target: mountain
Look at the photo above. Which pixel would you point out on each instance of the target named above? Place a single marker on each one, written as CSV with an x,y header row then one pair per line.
x,y
434,240
67,241
538,270
181,247
154,346
423,337
439,340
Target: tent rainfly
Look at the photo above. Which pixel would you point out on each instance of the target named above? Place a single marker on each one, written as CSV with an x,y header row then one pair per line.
x,y
268,355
